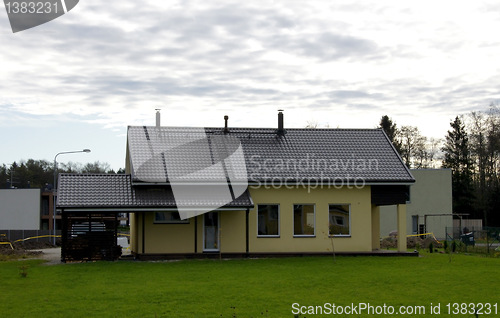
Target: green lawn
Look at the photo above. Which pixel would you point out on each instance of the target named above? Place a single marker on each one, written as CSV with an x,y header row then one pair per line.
x,y
245,288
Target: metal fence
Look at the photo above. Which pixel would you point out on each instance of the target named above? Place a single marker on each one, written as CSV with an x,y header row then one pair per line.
x,y
480,240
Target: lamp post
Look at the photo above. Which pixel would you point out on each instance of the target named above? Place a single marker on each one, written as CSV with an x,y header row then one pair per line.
x,y
55,185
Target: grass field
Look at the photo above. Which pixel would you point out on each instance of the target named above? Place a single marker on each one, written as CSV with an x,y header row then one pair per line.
x,y
245,288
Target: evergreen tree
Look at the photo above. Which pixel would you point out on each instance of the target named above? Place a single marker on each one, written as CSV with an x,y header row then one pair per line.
x,y
391,131
458,158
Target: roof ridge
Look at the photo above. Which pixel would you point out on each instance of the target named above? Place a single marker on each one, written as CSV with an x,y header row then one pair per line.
x,y
257,128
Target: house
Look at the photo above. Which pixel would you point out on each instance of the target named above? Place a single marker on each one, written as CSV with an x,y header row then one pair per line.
x,y
27,214
20,209
245,191
429,209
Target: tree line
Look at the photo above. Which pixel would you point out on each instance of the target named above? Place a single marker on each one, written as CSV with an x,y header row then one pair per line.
x,y
40,173
471,149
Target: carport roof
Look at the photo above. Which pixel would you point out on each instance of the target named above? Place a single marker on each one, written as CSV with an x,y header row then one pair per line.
x,y
115,191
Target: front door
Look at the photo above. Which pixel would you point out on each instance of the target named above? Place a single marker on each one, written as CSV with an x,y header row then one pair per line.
x,y
211,232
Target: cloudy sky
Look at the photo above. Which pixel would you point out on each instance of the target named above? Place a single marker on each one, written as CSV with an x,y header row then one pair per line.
x,y
78,81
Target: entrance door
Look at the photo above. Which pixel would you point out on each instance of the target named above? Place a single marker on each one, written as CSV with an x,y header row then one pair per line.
x,y
211,232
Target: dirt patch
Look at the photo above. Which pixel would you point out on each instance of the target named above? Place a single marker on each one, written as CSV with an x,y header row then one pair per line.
x,y
26,249
411,242
32,245
20,253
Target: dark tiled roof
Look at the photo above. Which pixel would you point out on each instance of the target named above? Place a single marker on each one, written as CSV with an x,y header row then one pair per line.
x,y
116,191
103,190
329,155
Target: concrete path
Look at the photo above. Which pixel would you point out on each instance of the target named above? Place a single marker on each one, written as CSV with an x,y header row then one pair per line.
x,y
51,255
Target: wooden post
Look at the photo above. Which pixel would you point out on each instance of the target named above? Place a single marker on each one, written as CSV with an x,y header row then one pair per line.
x,y
375,227
401,227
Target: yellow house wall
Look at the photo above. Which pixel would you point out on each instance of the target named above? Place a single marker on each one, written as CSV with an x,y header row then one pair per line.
x,y
179,238
168,238
232,231
359,200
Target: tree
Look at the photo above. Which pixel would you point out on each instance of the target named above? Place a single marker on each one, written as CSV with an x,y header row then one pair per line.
x,y
37,173
484,128
391,131
433,153
413,146
457,157
96,167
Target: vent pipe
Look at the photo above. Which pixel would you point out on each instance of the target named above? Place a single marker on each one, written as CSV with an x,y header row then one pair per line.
x,y
157,118
281,130
226,129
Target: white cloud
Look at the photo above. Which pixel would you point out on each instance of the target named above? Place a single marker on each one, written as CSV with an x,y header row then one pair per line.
x,y
343,62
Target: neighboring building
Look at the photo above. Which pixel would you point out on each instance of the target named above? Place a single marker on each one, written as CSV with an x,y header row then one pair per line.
x,y
430,207
20,209
293,191
28,209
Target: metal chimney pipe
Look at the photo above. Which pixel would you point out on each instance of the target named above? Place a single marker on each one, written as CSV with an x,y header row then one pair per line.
x,y
226,129
157,118
281,129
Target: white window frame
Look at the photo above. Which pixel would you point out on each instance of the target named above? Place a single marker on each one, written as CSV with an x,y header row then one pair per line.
x,y
293,219
279,220
349,220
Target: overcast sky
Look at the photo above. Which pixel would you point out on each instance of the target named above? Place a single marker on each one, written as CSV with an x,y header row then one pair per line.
x,y
78,81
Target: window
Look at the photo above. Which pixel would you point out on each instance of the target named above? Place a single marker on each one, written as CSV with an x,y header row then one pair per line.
x,y
169,217
268,220
303,220
339,216
45,205
414,224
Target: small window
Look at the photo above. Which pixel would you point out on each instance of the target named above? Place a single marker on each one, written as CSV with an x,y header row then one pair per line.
x,y
169,217
45,206
303,220
268,220
339,216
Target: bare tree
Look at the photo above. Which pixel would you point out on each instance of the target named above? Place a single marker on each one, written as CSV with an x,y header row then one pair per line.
x,y
413,146
484,131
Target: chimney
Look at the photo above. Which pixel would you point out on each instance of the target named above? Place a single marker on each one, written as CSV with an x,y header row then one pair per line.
x,y
157,118
226,129
281,130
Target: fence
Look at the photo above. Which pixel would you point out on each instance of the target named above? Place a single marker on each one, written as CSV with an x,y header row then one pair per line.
x,y
469,223
483,239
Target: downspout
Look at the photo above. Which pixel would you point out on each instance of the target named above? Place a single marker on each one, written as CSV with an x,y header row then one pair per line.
x,y
247,232
196,234
143,230
116,236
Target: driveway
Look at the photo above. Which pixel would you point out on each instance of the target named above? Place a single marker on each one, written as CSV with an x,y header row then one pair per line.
x,y
51,255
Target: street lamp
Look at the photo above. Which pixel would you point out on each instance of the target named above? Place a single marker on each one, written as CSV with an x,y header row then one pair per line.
x,y
55,186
